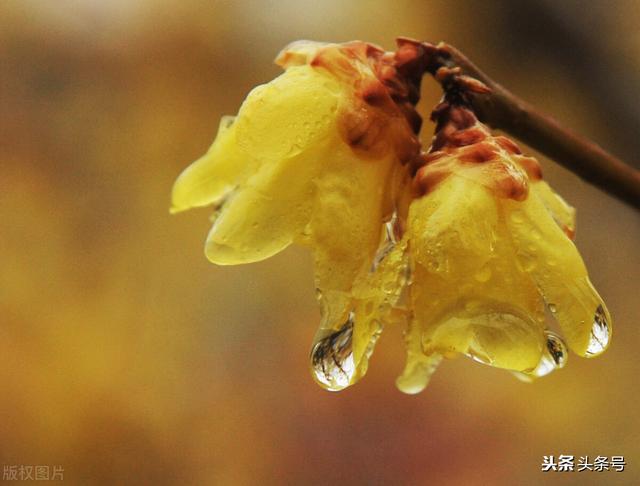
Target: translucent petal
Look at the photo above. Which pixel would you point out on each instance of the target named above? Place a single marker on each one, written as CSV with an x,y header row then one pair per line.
x,y
478,302
341,351
347,218
453,228
277,121
560,210
211,177
552,260
267,214
289,114
419,366
377,295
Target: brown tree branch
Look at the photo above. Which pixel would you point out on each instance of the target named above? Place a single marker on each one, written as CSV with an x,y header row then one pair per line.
x,y
503,110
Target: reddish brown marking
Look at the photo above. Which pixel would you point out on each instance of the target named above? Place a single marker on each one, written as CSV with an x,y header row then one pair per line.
x,y
478,153
462,117
532,167
387,72
412,116
442,136
571,233
406,54
432,156
509,184
427,178
440,109
467,137
443,73
383,113
508,144
472,84
374,92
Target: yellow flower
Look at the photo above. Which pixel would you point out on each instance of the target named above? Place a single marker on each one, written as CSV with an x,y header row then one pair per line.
x,y
489,246
317,156
465,245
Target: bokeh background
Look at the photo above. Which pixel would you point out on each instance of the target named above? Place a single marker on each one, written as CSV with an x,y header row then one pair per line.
x,y
127,358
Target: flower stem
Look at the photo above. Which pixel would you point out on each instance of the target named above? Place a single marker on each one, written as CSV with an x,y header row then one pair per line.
x,y
502,110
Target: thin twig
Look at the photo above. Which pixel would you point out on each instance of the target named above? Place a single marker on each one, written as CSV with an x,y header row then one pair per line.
x,y
503,110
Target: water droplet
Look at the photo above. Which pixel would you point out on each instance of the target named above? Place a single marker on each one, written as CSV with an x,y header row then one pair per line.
x,y
556,349
552,308
526,262
479,358
434,265
389,242
600,333
332,358
554,356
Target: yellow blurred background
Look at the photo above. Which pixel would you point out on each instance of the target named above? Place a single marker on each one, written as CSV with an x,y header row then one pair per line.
x,y
126,358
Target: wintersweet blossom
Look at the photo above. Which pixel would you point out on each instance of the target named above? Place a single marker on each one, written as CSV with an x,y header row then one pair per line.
x,y
464,245
490,245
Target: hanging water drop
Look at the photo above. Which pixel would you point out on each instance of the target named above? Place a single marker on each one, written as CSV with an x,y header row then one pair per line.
x,y
332,358
600,333
554,356
557,349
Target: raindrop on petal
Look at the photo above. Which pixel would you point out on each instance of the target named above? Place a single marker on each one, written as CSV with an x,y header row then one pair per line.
x,y
389,242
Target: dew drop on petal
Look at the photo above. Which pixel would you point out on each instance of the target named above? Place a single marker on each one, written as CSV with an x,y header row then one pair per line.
x,y
332,358
600,332
389,242
553,308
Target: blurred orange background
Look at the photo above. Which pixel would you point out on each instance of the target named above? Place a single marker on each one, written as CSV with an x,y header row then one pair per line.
x,y
127,358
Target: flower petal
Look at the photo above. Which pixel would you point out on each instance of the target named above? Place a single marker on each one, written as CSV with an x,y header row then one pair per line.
x,y
563,214
453,228
267,214
552,260
470,297
212,176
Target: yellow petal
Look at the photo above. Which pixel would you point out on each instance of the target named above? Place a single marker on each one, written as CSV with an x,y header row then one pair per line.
x,y
267,214
211,177
552,260
563,214
419,366
471,297
453,228
289,114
